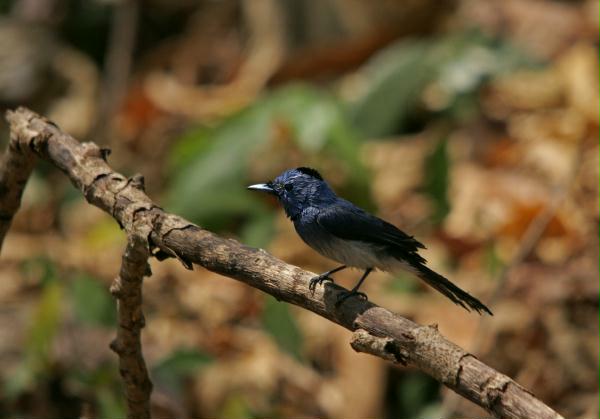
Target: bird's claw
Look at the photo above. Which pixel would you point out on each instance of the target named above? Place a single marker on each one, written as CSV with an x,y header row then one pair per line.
x,y
318,280
344,295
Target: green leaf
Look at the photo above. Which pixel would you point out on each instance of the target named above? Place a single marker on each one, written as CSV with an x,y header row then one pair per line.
x,y
21,378
492,261
42,330
437,168
180,364
41,269
402,283
92,302
416,390
236,407
312,114
105,384
259,230
397,76
44,324
210,163
110,403
413,393
475,59
278,322
209,185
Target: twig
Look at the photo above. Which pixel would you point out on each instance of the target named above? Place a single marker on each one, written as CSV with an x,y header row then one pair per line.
x,y
363,341
119,55
171,236
127,289
264,53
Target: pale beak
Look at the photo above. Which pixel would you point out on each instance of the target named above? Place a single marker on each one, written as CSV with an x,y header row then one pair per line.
x,y
263,187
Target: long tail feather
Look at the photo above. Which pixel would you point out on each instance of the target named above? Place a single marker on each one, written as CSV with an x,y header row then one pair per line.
x,y
458,296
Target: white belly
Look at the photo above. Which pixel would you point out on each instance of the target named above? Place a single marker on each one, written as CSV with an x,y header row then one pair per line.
x,y
361,255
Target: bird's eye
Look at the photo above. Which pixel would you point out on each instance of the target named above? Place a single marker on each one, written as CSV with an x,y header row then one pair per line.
x,y
288,187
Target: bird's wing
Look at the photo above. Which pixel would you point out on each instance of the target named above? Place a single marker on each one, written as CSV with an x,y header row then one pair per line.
x,y
349,222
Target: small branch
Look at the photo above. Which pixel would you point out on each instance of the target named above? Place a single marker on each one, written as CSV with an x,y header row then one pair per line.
x,y
171,236
127,289
15,168
118,59
363,341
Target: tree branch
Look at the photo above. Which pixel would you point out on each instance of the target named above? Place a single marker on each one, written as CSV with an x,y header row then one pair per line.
x,y
127,289
15,168
382,333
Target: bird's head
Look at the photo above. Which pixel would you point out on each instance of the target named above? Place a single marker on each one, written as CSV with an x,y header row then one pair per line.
x,y
298,189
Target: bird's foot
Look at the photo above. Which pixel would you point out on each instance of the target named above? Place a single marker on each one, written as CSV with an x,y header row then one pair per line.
x,y
318,280
344,295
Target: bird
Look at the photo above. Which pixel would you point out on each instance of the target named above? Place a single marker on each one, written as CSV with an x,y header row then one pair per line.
x,y
351,236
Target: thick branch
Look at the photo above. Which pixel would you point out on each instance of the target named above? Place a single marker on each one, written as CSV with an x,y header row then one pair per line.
x,y
169,235
127,289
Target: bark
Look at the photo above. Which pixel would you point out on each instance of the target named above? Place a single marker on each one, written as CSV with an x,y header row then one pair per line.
x,y
127,289
15,168
378,331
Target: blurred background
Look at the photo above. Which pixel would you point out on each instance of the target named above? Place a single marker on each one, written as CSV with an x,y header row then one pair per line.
x,y
472,125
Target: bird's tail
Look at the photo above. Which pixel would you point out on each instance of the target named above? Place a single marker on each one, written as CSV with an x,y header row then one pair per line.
x,y
458,296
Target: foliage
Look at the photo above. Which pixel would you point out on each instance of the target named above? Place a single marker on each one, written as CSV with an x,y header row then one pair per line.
x,y
180,364
92,303
279,322
457,65
437,181
42,329
210,164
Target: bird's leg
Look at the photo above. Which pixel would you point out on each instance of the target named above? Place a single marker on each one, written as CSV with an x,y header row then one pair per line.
x,y
318,280
354,291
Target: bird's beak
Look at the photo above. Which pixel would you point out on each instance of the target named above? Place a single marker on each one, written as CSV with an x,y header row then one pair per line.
x,y
263,187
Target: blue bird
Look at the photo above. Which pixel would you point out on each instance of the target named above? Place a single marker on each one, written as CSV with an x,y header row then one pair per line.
x,y
341,231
